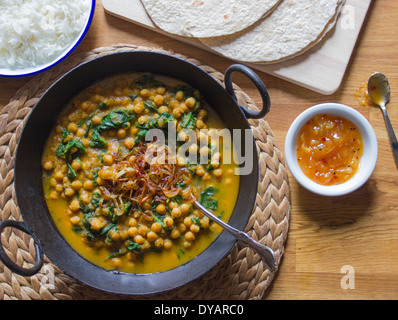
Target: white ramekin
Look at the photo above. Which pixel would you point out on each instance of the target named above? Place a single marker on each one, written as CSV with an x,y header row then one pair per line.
x,y
367,161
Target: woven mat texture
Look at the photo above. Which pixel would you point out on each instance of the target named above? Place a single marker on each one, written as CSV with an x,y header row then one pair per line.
x,y
241,275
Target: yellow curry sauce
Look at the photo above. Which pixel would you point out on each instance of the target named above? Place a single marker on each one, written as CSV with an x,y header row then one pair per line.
x,y
329,149
112,206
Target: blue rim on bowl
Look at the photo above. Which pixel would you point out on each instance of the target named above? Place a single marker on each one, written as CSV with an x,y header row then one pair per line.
x,y
33,70
367,162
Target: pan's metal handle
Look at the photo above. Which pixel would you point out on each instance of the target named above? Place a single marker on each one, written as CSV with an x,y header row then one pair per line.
x,y
259,85
11,264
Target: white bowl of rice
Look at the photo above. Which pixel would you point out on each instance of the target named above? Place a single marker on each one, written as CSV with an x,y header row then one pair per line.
x,y
37,34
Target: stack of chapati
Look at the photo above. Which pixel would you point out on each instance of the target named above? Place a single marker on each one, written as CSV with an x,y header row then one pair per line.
x,y
259,31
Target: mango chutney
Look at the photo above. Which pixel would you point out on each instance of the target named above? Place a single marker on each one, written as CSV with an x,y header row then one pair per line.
x,y
329,149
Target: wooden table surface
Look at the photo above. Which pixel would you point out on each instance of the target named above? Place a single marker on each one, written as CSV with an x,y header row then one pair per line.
x,y
326,234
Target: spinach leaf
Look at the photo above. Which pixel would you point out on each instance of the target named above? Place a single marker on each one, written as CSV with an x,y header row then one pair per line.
x,y
207,198
95,199
71,173
188,121
187,90
96,141
147,80
115,119
64,150
150,106
164,119
103,106
133,246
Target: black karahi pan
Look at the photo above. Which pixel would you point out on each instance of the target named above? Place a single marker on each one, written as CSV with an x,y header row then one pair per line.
x,y
28,171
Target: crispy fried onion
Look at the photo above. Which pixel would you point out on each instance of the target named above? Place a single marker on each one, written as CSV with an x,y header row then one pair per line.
x,y
133,177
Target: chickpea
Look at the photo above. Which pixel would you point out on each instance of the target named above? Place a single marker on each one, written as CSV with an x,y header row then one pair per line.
x,y
80,132
74,205
204,151
168,222
116,262
215,164
163,109
134,130
48,165
156,227
108,159
139,239
189,236
228,181
177,113
142,119
218,173
183,107
193,148
159,242
59,187
180,95
190,102
88,185
181,161
54,195
173,204
58,175
167,244
182,227
138,108
176,212
200,171
194,228
75,220
86,105
161,208
69,192
158,99
133,222
85,198
206,177
202,138
96,119
143,230
202,113
144,93
204,222
161,90
187,244
200,124
123,233
151,236
86,142
72,127
121,133
76,185
132,232
97,223
175,233
76,165
185,208
187,221
129,143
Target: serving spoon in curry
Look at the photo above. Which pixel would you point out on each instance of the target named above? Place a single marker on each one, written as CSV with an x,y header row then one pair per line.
x,y
379,92
265,253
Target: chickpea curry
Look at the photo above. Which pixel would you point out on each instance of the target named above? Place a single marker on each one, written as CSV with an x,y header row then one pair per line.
x,y
116,207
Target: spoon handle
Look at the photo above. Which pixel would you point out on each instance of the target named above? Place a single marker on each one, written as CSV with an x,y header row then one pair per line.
x,y
391,134
265,253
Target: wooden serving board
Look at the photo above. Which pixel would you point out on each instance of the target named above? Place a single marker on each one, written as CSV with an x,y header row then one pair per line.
x,y
320,69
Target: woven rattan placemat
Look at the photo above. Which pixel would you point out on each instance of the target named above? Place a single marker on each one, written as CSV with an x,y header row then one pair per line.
x,y
241,275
